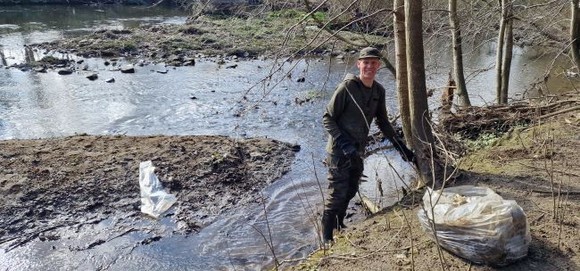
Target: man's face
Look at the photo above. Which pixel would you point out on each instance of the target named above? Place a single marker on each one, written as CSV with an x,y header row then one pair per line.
x,y
368,67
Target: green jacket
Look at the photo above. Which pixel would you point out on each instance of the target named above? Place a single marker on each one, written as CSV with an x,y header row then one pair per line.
x,y
344,118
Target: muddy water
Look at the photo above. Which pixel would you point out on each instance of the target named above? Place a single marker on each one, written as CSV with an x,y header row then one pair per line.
x,y
205,99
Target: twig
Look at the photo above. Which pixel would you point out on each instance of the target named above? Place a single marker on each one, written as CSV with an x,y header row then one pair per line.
x,y
362,200
270,245
538,218
336,33
353,244
268,239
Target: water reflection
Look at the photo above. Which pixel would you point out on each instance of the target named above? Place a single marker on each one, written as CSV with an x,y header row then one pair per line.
x,y
30,18
22,25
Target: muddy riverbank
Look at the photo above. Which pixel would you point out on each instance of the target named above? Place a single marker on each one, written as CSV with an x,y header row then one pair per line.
x,y
220,39
47,185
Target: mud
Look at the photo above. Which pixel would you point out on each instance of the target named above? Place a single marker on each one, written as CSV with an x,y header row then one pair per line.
x,y
49,184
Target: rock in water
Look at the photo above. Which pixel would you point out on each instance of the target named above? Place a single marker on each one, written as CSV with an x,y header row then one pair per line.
x,y
40,69
92,77
65,71
128,69
188,61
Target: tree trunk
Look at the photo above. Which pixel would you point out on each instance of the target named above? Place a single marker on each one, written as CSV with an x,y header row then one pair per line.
x,y
504,51
499,57
422,140
575,32
458,55
401,68
507,57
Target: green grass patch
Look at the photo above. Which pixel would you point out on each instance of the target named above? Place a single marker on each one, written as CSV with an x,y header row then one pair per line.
x,y
509,153
484,140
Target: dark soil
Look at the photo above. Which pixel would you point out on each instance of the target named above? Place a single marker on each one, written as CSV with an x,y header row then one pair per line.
x,y
65,182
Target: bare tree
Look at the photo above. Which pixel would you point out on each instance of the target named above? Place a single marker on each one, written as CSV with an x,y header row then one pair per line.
x,y
575,32
504,51
422,136
401,67
336,33
458,55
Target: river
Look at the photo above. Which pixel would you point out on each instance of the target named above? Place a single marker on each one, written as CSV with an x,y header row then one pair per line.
x,y
206,99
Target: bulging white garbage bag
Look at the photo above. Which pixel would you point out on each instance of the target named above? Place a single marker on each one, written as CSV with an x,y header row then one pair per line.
x,y
477,224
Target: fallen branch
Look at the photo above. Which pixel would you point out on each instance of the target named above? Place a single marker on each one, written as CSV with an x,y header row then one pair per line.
x,y
294,260
471,122
560,112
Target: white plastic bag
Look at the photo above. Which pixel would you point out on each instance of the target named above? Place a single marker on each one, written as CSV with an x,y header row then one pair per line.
x,y
477,224
154,200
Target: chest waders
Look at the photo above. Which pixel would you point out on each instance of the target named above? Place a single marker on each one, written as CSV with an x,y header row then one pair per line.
x,y
344,173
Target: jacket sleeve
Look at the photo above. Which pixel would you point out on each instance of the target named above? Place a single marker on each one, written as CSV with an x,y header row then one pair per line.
x,y
333,111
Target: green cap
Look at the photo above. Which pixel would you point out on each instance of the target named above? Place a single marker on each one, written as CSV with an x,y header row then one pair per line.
x,y
369,52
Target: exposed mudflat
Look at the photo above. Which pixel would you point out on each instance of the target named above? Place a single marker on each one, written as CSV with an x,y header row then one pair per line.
x,y
47,184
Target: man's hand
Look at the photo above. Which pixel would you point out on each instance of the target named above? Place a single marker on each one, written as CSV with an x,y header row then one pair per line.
x,y
348,149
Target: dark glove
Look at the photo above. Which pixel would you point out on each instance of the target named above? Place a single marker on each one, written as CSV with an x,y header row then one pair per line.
x,y
348,149
406,154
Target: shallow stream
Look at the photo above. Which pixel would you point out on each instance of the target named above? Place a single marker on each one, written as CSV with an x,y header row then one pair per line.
x,y
204,99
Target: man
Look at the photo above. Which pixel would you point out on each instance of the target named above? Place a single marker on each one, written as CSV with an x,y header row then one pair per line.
x,y
356,102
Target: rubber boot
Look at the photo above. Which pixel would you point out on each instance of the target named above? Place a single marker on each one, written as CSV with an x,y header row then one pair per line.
x,y
328,226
